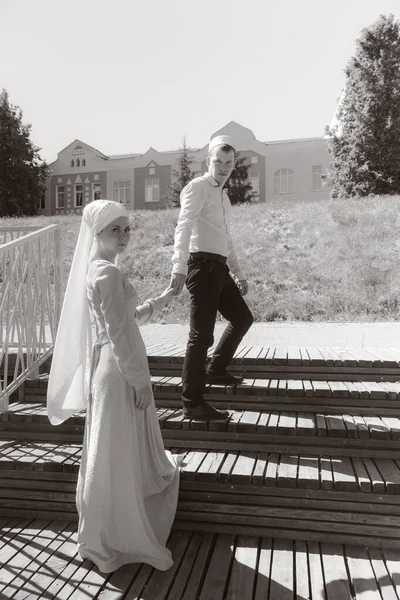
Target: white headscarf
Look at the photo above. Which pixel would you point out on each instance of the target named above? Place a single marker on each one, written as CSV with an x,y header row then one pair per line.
x,y
69,374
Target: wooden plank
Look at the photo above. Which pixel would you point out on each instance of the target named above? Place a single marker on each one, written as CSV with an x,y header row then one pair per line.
x,y
244,568
306,424
392,561
192,462
294,356
326,356
378,485
326,474
316,574
282,575
160,581
218,570
287,470
390,474
363,479
308,476
227,466
335,573
119,581
209,468
196,576
377,428
10,553
287,424
295,387
243,468
264,570
381,574
259,469
301,571
187,563
343,474
361,574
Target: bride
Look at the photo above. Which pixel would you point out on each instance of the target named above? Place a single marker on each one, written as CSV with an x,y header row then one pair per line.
x,y
128,484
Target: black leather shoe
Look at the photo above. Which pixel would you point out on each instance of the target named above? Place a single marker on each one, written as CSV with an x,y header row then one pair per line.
x,y
204,412
222,378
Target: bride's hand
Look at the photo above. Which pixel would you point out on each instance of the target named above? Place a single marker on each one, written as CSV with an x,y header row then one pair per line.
x,y
166,295
143,397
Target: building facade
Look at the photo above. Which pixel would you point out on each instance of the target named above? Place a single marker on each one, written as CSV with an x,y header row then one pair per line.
x,y
281,169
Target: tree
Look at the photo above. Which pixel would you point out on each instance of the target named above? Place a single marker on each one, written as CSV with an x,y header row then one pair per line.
x,y
238,186
365,142
22,172
182,175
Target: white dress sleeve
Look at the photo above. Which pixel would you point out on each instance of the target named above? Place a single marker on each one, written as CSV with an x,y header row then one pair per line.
x,y
129,352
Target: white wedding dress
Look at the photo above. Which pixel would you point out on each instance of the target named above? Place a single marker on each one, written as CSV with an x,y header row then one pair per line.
x,y
128,484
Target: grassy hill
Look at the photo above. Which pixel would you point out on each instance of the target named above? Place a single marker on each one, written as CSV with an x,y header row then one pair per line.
x,y
310,261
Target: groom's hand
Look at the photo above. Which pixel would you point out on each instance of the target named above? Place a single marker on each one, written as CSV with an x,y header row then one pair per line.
x,y
177,283
243,286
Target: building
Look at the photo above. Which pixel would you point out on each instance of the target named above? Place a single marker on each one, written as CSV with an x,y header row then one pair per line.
x,y
280,169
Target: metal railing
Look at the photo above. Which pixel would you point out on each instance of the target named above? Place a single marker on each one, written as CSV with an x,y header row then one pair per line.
x,y
30,302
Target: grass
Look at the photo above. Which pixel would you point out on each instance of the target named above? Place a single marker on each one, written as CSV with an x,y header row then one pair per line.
x,y
309,261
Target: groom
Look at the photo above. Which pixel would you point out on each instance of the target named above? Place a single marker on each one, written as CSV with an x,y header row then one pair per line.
x,y
203,258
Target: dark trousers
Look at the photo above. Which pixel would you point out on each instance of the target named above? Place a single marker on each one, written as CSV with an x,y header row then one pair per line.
x,y
211,289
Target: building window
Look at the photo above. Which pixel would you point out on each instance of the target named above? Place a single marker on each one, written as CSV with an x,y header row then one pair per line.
x,y
254,180
152,170
96,177
72,163
152,190
60,196
122,192
96,191
284,181
317,178
42,201
78,162
78,195
254,160
83,162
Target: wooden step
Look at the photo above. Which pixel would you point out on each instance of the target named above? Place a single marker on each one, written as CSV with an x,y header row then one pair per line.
x,y
39,559
365,398
278,431
292,496
377,364
257,362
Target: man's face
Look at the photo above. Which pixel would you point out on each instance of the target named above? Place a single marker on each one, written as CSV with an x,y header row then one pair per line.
x,y
221,164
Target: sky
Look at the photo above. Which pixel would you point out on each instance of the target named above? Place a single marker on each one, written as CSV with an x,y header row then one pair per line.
x,y
124,75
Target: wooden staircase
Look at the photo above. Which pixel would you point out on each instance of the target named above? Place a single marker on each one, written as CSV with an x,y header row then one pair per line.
x,y
311,450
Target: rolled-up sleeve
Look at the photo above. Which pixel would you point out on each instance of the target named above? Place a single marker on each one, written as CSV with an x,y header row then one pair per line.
x,y
129,356
233,262
193,198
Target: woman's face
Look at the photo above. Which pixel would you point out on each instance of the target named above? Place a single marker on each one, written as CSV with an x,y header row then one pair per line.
x,y
115,237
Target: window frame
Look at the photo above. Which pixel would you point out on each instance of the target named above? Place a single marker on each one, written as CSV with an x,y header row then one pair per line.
x,y
57,196
75,195
288,176
153,187
122,187
313,175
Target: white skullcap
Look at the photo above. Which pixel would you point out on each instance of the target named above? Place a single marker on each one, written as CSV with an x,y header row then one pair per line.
x,y
221,140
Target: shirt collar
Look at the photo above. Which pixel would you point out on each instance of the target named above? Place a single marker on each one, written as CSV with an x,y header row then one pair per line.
x,y
211,180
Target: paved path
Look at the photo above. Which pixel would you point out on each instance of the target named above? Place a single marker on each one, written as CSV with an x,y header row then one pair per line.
x,y
350,335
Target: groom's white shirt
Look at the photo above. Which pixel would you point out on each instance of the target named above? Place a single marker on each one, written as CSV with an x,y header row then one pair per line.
x,y
203,224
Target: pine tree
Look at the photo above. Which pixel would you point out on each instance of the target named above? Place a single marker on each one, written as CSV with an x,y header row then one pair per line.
x,y
182,175
22,172
365,143
238,186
